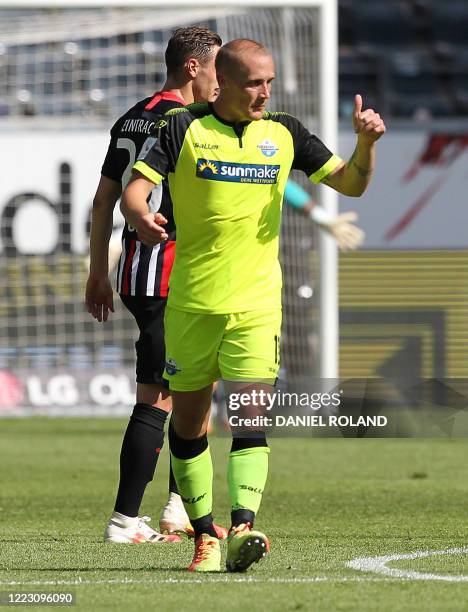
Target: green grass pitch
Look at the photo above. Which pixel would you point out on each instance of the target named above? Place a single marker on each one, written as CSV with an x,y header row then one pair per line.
x,y
327,502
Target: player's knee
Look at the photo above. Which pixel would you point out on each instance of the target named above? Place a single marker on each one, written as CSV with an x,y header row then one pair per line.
x,y
154,394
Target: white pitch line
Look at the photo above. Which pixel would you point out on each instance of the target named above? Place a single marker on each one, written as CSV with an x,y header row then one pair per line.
x,y
205,580
378,565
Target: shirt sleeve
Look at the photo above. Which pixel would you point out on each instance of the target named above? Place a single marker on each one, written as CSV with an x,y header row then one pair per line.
x,y
116,159
310,154
159,153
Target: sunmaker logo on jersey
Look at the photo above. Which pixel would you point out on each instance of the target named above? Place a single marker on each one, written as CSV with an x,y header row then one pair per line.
x,y
232,172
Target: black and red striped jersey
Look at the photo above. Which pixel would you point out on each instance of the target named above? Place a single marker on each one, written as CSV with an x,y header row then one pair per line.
x,y
142,270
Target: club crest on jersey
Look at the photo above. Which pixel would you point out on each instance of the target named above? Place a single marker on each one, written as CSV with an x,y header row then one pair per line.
x,y
147,146
268,148
171,367
232,172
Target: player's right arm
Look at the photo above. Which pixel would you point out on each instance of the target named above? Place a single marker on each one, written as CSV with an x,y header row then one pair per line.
x,y
134,207
157,158
98,295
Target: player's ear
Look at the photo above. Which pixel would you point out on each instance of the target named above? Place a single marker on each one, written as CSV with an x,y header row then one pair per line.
x,y
192,65
221,79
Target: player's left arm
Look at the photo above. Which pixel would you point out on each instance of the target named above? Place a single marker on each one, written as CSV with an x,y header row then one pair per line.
x,y
353,177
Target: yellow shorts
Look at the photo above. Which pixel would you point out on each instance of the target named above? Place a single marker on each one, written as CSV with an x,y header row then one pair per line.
x,y
202,348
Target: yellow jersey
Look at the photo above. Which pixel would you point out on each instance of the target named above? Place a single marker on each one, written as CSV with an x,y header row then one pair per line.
x,y
227,183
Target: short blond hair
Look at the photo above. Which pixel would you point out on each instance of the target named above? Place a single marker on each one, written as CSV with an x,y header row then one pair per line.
x,y
230,54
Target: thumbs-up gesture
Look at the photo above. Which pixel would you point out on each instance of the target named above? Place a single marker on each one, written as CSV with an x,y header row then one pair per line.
x,y
367,124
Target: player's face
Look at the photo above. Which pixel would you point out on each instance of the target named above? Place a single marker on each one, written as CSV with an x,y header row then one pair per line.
x,y
205,86
249,89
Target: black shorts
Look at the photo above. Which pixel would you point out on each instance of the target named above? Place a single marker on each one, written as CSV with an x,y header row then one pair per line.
x,y
150,348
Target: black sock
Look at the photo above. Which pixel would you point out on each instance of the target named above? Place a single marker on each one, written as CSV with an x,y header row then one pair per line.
x,y
141,446
204,524
186,449
172,481
242,515
258,439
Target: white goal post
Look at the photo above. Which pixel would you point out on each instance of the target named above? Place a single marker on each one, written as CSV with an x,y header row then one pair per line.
x,y
326,122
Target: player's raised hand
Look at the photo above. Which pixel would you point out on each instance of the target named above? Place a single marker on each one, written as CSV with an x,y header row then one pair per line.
x,y
367,124
150,229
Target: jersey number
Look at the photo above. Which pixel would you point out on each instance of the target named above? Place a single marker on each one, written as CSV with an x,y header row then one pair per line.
x,y
154,201
128,145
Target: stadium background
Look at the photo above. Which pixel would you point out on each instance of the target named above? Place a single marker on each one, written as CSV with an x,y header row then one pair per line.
x,y
65,75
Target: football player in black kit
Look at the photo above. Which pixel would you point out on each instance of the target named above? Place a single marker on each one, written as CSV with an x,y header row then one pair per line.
x,y
142,282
